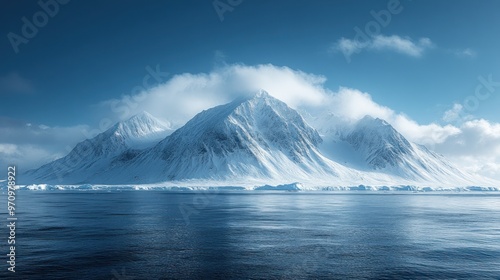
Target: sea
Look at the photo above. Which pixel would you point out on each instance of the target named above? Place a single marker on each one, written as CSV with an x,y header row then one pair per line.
x,y
252,235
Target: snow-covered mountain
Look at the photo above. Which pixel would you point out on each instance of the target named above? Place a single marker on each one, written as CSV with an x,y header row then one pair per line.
x,y
256,138
384,148
252,137
122,141
372,144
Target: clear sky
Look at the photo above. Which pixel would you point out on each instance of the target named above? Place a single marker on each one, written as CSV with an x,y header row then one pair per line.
x,y
422,63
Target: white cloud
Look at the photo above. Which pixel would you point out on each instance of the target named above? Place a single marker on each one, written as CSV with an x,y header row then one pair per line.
x,y
403,45
352,105
349,47
453,114
187,94
476,147
428,134
479,137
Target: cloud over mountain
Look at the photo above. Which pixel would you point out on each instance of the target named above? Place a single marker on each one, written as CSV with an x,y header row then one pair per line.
x,y
184,95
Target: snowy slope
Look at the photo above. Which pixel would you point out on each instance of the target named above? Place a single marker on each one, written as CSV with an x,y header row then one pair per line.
x,y
142,130
122,141
252,137
376,145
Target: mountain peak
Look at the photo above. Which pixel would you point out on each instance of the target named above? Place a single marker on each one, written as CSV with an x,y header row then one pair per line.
x,y
261,94
143,121
369,120
379,142
254,136
257,95
144,115
141,129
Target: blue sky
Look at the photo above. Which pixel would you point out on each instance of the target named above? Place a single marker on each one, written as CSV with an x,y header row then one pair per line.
x,y
422,64
95,50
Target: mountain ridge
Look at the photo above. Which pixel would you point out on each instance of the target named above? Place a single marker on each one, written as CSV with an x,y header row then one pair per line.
x,y
254,137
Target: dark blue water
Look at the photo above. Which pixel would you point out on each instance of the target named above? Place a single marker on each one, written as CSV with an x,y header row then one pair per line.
x,y
257,235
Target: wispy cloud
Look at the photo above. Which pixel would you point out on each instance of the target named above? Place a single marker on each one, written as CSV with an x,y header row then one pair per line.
x,y
470,53
29,146
456,114
348,47
13,83
401,45
395,43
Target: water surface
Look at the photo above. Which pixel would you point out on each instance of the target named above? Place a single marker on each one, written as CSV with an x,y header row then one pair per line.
x,y
255,235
